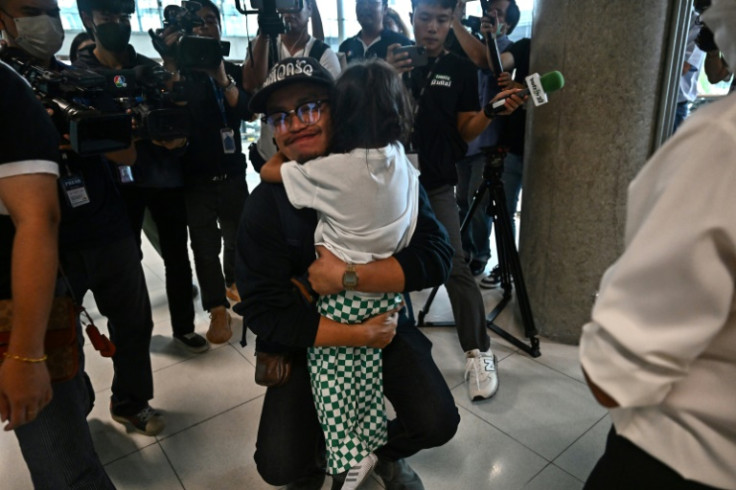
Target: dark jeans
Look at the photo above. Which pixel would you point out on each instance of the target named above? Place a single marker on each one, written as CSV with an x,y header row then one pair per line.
x,y
168,209
213,213
625,465
57,446
114,275
290,442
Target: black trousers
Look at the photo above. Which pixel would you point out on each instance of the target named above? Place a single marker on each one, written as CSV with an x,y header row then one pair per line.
x,y
168,210
213,214
290,441
114,275
626,466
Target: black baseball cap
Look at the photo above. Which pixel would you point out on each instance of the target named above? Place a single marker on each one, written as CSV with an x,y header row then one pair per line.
x,y
287,72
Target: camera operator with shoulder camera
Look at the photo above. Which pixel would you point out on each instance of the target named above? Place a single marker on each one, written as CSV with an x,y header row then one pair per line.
x,y
214,165
97,253
282,34
156,180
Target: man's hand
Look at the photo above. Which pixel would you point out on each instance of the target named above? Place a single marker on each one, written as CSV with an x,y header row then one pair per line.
x,y
381,329
400,61
25,389
505,81
459,12
325,273
172,144
219,75
513,102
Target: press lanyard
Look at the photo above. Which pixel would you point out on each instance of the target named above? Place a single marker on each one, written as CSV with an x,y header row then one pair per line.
x,y
220,96
426,82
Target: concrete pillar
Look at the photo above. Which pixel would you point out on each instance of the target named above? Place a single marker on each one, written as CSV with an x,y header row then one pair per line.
x,y
584,146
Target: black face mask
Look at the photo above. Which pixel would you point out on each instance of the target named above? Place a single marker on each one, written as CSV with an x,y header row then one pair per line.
x,y
113,36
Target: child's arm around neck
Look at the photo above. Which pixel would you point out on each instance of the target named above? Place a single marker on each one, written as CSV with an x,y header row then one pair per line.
x,y
271,170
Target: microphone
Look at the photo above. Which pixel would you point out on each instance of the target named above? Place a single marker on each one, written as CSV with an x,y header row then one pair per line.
x,y
537,87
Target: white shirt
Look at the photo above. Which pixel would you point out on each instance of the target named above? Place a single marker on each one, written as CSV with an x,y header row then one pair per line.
x,y
662,341
367,200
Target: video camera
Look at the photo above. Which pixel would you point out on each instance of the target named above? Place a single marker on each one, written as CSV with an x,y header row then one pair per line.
x,y
90,130
473,22
269,13
143,91
190,51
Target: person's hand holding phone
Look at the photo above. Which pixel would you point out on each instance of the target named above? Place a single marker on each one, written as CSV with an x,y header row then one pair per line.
x,y
399,60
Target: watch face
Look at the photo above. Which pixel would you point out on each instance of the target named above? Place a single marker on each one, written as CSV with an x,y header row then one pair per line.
x,y
349,279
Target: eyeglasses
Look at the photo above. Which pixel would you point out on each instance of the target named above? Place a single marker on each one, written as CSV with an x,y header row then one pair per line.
x,y
308,113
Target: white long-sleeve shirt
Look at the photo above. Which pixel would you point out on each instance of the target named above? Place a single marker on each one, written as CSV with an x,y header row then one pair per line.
x,y
662,340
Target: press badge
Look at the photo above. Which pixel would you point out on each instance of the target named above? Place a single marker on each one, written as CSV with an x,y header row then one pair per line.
x,y
74,189
227,135
126,174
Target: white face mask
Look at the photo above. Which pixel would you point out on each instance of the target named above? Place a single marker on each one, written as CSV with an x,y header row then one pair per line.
x,y
40,36
721,19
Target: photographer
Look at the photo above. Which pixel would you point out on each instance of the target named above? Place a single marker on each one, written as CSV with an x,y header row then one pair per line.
x,y
448,116
476,237
96,247
295,41
214,165
156,180
374,38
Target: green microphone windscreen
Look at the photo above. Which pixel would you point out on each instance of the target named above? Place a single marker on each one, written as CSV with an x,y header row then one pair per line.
x,y
552,81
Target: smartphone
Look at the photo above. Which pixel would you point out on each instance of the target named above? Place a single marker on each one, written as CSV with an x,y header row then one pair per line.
x,y
417,54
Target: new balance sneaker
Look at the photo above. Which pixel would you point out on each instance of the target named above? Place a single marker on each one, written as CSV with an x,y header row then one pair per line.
x,y
480,374
492,280
148,421
219,331
398,475
193,342
358,473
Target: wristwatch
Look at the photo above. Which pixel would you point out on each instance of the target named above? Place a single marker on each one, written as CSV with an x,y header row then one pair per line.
x,y
350,278
231,83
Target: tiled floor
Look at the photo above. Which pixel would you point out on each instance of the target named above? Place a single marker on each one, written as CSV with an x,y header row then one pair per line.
x,y
542,430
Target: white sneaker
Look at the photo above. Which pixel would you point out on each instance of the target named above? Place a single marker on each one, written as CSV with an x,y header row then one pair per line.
x,y
480,374
358,473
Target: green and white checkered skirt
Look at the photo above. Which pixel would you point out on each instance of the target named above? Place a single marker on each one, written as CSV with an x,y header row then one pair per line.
x,y
347,383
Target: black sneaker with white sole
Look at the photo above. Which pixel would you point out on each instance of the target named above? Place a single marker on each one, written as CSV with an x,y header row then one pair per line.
x,y
492,280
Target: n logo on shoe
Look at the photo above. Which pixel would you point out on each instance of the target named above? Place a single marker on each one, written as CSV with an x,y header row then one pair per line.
x,y
490,366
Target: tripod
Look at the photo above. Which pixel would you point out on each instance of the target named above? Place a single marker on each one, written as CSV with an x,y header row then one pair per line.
x,y
508,257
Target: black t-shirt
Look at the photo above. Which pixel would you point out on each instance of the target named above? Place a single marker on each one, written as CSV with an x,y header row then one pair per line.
x,y
26,134
353,47
512,135
210,115
450,87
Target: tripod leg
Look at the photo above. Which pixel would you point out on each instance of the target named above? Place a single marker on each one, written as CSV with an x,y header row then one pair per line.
x,y
510,267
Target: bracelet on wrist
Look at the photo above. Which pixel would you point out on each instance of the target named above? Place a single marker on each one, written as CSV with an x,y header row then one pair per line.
x,y
25,359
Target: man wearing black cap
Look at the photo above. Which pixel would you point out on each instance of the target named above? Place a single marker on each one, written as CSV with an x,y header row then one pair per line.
x,y
276,244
